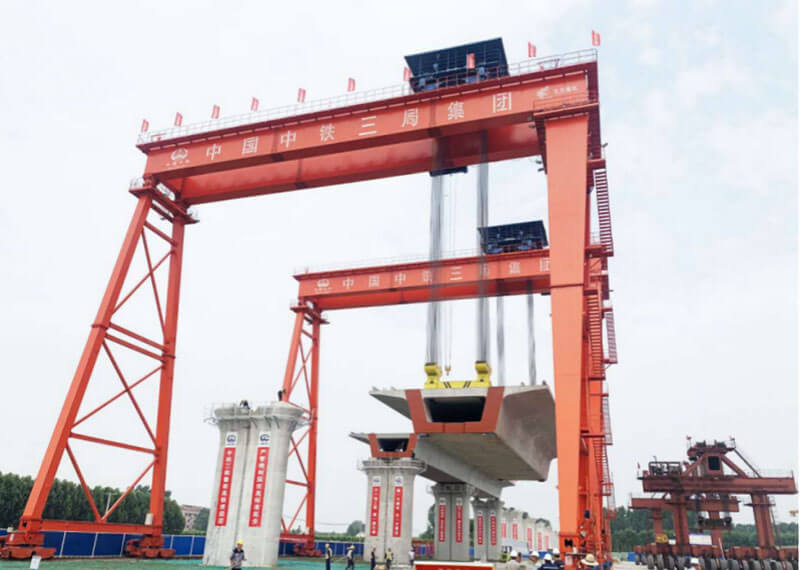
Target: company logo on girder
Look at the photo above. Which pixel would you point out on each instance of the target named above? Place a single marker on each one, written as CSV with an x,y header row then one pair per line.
x,y
179,153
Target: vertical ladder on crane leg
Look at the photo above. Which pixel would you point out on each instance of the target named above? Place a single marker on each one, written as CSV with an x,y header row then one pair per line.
x,y
603,209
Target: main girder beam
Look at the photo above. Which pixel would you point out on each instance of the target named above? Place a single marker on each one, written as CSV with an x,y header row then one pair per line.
x,y
457,278
730,505
730,485
384,138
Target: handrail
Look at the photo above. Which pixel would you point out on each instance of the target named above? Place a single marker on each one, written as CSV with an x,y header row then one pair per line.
x,y
358,97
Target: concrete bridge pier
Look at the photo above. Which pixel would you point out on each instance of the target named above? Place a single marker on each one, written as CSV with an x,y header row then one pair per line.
x,y
452,514
250,481
482,535
494,509
390,506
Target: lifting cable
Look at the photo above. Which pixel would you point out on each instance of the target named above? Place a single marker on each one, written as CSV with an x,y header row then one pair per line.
x,y
531,338
501,344
434,309
482,222
450,233
432,354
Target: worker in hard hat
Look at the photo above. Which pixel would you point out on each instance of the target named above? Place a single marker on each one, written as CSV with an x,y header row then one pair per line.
x,y
372,561
328,556
589,561
695,563
513,563
389,558
237,556
350,557
534,556
557,559
549,563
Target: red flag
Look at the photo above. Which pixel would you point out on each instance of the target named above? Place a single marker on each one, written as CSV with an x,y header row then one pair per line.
x,y
638,466
254,104
688,438
470,61
301,95
351,84
178,119
595,38
145,126
215,112
406,74
531,50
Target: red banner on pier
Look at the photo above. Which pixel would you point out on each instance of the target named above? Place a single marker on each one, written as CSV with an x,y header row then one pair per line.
x,y
442,520
459,520
259,482
479,530
225,479
374,508
397,515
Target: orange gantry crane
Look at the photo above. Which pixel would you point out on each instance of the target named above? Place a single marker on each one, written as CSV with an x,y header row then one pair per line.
x,y
547,107
712,470
679,505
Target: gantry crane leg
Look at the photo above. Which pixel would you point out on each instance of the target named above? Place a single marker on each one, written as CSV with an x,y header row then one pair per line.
x,y
566,154
108,337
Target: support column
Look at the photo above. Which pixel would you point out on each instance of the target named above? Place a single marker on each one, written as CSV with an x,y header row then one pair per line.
x,y
494,508
658,521
566,155
681,524
282,418
441,532
390,506
233,422
250,482
716,533
459,522
761,514
481,537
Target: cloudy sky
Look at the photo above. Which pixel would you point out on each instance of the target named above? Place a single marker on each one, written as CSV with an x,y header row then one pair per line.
x,y
699,113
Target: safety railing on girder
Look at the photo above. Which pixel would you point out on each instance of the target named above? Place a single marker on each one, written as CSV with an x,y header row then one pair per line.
x,y
358,97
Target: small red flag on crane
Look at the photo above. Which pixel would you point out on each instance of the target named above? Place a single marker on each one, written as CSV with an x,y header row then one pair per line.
x,y
595,38
301,95
254,104
406,74
351,84
215,112
145,126
638,466
688,438
531,50
178,119
470,61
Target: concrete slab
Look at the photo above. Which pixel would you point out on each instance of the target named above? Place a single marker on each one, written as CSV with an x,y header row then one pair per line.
x,y
505,432
440,465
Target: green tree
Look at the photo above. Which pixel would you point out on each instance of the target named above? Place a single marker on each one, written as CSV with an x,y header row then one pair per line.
x,y
428,534
201,520
67,501
354,528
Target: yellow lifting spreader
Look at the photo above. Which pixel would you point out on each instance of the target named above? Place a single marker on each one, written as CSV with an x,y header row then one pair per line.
x,y
434,377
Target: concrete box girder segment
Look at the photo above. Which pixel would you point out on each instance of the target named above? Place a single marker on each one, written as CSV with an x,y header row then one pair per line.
x,y
440,465
508,433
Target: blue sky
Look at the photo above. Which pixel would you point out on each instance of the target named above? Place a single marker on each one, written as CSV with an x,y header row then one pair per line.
x,y
699,110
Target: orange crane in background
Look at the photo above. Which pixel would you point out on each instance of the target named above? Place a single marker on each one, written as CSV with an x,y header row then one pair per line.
x,y
547,107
